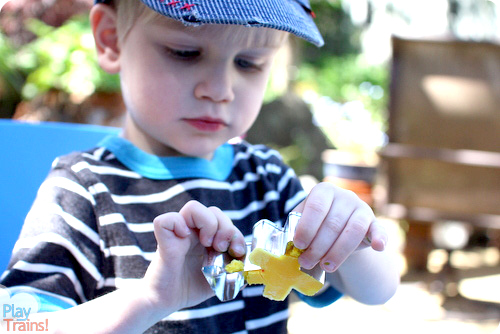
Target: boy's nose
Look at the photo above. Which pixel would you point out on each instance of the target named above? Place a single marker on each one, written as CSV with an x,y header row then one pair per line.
x,y
216,85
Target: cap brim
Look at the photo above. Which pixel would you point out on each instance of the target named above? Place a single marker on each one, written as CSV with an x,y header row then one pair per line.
x,y
285,15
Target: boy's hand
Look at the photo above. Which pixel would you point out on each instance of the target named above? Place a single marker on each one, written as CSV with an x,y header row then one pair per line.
x,y
174,275
334,224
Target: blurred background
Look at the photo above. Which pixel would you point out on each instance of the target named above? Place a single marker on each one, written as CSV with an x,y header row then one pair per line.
x,y
402,106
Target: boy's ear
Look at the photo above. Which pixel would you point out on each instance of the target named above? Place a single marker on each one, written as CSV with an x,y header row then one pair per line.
x,y
103,21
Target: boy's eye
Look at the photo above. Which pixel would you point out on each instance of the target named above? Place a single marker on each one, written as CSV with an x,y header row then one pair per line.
x,y
246,64
183,54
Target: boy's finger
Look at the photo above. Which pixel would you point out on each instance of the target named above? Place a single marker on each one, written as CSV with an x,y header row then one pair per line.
x,y
171,232
377,236
172,222
328,233
314,210
349,240
228,237
225,230
199,217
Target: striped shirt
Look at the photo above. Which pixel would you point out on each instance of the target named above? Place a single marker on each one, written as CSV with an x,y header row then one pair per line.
x,y
90,229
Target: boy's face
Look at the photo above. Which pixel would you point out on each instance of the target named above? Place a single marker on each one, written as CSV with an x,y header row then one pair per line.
x,y
187,92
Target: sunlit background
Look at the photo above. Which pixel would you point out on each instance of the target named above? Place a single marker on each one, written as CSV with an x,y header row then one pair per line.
x,y
330,111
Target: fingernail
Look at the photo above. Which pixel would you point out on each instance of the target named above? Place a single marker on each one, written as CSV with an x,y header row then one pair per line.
x,y
223,245
306,264
238,249
299,244
329,266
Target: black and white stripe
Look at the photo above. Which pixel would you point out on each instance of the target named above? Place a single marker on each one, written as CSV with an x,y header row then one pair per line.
x,y
90,231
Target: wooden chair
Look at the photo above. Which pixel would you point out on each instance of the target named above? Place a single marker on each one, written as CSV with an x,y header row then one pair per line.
x,y
443,157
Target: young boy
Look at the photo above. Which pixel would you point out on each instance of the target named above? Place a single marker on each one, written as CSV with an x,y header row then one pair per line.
x,y
115,240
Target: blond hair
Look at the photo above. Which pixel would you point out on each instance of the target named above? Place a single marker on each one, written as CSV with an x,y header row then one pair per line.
x,y
129,11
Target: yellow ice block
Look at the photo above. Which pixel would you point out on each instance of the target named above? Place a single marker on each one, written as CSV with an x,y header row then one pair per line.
x,y
280,274
234,266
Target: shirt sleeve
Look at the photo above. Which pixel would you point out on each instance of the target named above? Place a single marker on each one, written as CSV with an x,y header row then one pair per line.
x,y
57,257
325,298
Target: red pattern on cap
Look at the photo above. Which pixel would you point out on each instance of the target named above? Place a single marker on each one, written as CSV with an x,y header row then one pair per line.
x,y
173,3
187,6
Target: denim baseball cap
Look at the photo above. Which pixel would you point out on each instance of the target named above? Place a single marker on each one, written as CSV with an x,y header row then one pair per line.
x,y
294,16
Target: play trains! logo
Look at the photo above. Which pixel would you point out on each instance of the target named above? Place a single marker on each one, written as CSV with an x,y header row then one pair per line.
x,y
15,312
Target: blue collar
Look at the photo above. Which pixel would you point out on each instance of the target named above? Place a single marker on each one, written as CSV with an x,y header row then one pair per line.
x,y
168,168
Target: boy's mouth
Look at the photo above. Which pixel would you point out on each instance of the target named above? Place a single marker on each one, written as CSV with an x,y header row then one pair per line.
x,y
206,124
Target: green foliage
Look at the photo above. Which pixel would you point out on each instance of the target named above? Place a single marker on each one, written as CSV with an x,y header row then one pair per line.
x,y
12,79
347,95
63,59
340,35
348,78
